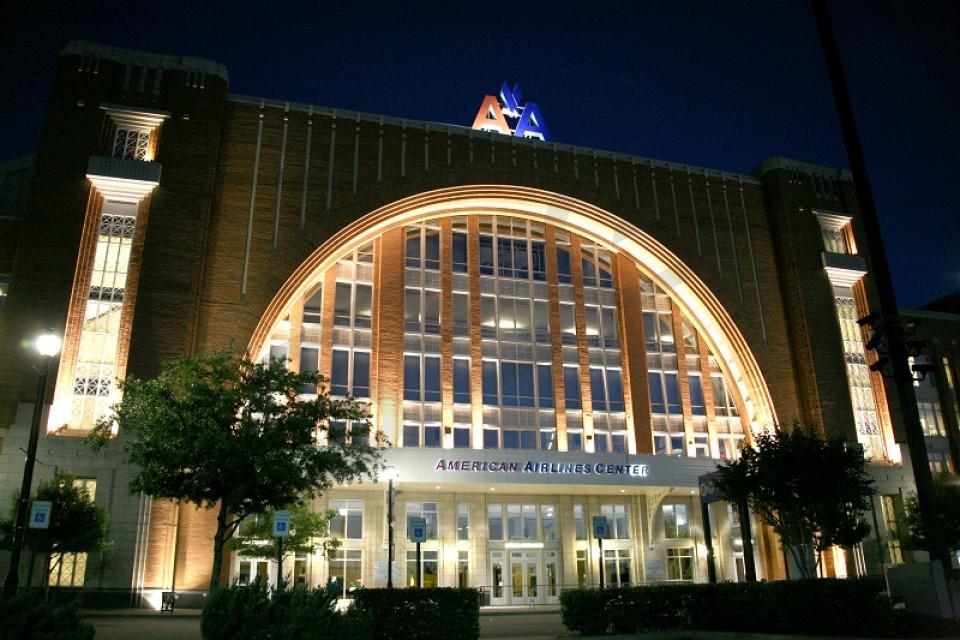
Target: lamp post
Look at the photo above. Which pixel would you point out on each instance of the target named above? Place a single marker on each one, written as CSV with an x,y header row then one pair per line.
x,y
48,346
391,476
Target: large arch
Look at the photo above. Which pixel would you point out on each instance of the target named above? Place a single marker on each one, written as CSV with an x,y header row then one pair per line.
x,y
684,286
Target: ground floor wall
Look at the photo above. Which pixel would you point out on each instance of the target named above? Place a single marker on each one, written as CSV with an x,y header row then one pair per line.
x,y
158,545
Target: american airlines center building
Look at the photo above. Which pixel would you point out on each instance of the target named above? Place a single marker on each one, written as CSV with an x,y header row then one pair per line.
x,y
544,333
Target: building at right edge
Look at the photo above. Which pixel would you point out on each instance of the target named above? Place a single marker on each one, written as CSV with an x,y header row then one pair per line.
x,y
544,332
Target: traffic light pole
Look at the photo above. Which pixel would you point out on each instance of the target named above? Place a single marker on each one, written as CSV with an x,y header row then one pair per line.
x,y
896,343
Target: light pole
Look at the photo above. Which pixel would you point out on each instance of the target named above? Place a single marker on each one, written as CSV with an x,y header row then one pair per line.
x,y
48,346
391,476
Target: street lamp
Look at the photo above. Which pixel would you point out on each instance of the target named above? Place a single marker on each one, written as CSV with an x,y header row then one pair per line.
x,y
48,346
392,475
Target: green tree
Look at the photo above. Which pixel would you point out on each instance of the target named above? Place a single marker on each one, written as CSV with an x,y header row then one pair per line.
x,y
947,490
225,433
812,492
77,524
308,531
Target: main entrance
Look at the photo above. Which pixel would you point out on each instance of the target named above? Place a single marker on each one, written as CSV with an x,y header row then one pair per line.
x,y
524,577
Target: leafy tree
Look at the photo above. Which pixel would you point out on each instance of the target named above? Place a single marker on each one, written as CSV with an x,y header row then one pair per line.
x,y
812,492
947,490
77,524
225,433
308,531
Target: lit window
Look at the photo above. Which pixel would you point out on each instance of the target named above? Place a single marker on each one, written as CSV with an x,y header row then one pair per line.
x,y
345,570
680,564
427,511
616,521
676,521
463,521
348,523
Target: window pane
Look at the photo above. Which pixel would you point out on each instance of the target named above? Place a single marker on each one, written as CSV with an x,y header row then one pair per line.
x,y
339,371
538,259
361,374
486,255
363,306
411,377
490,382
411,310
656,393
545,386
432,254
564,274
341,311
431,379
525,384
614,390
520,266
459,252
431,311
461,380
491,439
597,394
411,435
571,387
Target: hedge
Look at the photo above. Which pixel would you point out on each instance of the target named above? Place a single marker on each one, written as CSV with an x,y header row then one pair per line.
x,y
27,616
421,614
255,612
816,607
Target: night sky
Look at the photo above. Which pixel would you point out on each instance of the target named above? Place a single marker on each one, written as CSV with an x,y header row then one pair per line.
x,y
722,85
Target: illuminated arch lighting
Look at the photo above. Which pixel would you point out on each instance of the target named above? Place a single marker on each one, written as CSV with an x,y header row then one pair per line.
x,y
693,297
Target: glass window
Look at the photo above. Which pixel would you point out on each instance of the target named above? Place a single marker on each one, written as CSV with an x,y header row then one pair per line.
x,y
427,511
697,405
339,373
463,521
411,310
581,567
597,392
676,522
571,387
411,435
490,382
616,566
461,436
486,255
431,258
579,524
538,259
491,438
614,390
411,377
348,523
429,569
680,564
431,379
309,357
431,311
548,520
461,380
361,374
461,314
495,521
459,253
616,520
363,307
488,317
341,309
463,569
564,272
545,386
431,435
345,565
568,324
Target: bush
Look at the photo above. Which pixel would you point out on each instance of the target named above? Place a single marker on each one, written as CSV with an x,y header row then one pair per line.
x,y
421,614
256,612
819,607
27,616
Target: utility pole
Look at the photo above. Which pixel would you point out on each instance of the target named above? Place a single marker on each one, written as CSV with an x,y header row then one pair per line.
x,y
896,343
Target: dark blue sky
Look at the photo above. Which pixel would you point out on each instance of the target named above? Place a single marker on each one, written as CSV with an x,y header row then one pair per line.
x,y
716,84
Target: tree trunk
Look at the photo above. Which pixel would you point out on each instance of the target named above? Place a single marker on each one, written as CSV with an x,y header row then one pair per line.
x,y
218,542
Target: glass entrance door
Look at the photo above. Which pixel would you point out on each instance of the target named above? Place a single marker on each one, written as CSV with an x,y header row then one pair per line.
x,y
525,577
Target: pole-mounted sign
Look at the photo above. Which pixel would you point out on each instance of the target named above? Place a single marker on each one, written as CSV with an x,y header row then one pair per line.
x,y
281,524
40,511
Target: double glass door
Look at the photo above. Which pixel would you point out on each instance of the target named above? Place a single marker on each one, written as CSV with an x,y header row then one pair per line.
x,y
524,577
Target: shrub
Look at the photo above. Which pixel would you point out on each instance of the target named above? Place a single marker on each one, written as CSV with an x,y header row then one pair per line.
x,y
820,607
27,616
421,614
255,612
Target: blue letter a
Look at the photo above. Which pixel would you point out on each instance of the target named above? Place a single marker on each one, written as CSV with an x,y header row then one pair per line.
x,y
531,123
